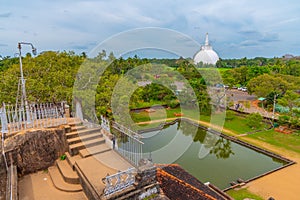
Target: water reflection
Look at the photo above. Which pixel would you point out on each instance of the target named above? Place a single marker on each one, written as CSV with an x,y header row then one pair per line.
x,y
222,149
210,158
212,143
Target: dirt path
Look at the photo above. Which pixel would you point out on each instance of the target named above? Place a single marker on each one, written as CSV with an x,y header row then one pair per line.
x,y
281,185
38,186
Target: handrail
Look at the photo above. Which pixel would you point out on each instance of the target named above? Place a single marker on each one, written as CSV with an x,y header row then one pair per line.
x,y
119,181
15,118
130,145
12,182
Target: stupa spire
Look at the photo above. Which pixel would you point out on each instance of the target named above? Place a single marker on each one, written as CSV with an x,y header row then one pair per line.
x,y
206,40
206,55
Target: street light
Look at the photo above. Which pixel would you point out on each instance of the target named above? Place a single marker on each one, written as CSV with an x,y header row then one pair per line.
x,y
274,105
23,96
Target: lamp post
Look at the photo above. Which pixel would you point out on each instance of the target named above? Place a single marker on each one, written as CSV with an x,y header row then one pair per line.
x,y
274,105
23,88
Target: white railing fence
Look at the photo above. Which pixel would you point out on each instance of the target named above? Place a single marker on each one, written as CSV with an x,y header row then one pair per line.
x,y
129,144
15,118
119,181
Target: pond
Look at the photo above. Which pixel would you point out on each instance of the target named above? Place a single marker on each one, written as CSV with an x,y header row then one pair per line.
x,y
207,156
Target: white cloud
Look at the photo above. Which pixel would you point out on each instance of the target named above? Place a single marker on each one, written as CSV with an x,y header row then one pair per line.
x,y
61,25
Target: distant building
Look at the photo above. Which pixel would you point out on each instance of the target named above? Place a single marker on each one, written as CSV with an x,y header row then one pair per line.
x,y
206,55
288,56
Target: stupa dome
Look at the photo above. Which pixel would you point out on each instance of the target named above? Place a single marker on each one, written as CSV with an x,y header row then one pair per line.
x,y
206,54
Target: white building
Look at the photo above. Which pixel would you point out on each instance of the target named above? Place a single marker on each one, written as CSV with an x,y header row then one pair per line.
x,y
206,55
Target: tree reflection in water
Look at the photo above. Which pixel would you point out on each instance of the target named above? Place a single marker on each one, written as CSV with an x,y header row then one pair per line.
x,y
216,145
222,148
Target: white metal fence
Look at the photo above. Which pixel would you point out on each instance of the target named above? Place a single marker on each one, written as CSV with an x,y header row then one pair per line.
x,y
15,118
129,144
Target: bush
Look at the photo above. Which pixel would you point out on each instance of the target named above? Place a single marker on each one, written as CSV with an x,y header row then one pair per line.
x,y
63,157
254,120
295,122
283,120
230,115
173,103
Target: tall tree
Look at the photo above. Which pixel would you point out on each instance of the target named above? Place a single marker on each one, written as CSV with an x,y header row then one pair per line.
x,y
265,84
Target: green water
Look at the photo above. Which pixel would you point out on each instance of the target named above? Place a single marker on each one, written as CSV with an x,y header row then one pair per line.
x,y
219,164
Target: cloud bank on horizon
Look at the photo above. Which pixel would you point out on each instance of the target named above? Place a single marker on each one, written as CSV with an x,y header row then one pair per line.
x,y
236,28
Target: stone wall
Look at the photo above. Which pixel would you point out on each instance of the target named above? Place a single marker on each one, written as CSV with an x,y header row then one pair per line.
x,y
35,150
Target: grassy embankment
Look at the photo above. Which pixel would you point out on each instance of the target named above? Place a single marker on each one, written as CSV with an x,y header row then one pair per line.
x,y
236,127
243,194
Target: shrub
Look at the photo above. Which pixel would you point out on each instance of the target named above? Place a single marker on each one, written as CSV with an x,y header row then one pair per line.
x,y
173,103
254,120
230,115
283,120
63,157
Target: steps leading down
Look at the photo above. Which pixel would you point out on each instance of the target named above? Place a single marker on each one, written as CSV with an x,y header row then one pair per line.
x,y
86,141
59,182
83,143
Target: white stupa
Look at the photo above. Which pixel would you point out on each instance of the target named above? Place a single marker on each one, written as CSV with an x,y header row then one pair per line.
x,y
206,54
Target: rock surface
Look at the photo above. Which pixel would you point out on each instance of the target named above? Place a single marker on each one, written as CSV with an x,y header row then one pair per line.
x,y
35,150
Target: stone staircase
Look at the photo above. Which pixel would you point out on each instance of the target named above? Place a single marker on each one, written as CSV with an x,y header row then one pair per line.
x,y
89,159
83,142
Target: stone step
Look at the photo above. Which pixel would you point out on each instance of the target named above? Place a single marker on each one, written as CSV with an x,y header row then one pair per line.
x,y
82,132
75,123
78,128
84,153
59,182
90,136
74,148
72,159
67,172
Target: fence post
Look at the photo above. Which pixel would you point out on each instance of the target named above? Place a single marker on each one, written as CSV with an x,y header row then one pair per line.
x,y
4,124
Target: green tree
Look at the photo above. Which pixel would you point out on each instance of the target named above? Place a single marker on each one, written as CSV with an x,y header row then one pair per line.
x,y
290,99
265,84
254,120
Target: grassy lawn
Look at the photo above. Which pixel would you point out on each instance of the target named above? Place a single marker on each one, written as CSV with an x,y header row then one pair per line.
x,y
158,114
148,126
237,125
288,141
243,194
149,104
219,69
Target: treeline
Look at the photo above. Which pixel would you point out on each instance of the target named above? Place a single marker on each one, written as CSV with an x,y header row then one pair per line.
x,y
52,77
49,77
245,70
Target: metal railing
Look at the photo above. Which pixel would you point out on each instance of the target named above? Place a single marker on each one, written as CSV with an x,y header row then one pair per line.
x,y
15,118
12,181
119,181
105,124
129,144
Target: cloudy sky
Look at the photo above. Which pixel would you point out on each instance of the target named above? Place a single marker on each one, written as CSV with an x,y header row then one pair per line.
x,y
237,28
